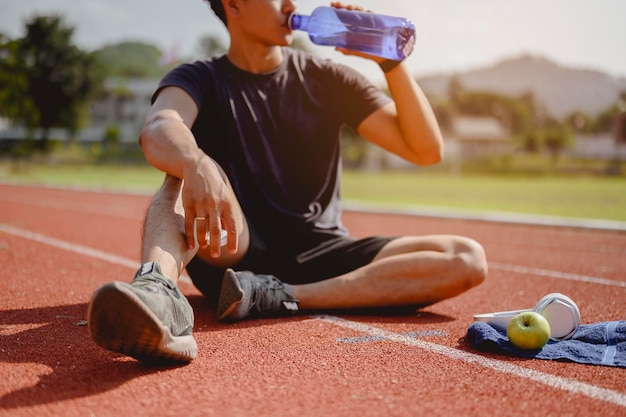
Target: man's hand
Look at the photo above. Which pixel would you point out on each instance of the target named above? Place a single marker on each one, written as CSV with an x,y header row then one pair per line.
x,y
340,5
208,204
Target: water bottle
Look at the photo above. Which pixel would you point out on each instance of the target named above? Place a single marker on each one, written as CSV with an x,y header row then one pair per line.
x,y
383,36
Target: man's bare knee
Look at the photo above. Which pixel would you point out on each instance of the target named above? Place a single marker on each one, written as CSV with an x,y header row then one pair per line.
x,y
472,261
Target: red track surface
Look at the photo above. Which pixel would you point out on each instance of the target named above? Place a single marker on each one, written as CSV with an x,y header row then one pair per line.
x,y
57,246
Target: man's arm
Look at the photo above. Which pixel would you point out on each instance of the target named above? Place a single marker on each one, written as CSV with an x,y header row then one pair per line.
x,y
169,145
406,127
166,137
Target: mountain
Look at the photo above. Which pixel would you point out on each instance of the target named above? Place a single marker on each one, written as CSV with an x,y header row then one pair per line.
x,y
562,90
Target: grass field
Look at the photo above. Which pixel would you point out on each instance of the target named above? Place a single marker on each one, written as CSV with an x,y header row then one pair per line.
x,y
591,197
584,197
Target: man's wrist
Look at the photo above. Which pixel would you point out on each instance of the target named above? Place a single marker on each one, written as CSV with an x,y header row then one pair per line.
x,y
388,65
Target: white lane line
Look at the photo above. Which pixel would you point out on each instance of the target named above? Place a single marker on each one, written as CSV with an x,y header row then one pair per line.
x,y
555,274
565,384
76,248
492,265
68,246
370,207
83,207
591,391
490,216
83,250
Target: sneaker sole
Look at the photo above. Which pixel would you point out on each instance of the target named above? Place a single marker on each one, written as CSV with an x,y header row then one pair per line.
x,y
231,296
119,321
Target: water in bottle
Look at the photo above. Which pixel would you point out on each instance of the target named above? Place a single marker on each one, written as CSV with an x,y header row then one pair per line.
x,y
384,36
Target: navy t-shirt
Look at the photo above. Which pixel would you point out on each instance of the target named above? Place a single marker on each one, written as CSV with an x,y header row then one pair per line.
x,y
276,135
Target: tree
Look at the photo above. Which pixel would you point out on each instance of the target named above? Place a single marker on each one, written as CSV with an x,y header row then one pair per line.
x,y
130,59
211,45
59,77
556,139
579,121
444,112
456,92
14,102
516,113
605,121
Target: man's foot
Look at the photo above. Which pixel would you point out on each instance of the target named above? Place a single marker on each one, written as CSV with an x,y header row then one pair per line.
x,y
245,294
148,319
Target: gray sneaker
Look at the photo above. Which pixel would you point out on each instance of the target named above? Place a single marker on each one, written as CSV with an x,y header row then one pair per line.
x,y
245,294
148,319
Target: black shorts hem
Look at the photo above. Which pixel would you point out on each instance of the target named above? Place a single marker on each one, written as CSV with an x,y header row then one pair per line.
x,y
329,259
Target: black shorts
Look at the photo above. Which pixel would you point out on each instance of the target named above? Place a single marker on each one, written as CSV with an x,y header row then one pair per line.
x,y
332,258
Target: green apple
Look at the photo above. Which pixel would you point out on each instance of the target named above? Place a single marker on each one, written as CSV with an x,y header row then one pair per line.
x,y
528,330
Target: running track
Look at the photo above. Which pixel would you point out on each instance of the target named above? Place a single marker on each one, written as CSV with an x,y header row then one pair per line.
x,y
57,246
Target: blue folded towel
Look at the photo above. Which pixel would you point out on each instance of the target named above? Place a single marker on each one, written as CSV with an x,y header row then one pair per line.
x,y
592,344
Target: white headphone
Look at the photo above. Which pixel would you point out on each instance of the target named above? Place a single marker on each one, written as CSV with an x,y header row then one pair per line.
x,y
561,312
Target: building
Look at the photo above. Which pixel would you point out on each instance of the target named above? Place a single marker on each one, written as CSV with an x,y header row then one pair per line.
x,y
123,105
598,146
475,136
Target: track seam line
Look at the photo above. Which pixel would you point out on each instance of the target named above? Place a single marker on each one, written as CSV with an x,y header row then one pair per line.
x,y
489,216
86,208
565,384
411,210
68,246
555,274
79,249
119,260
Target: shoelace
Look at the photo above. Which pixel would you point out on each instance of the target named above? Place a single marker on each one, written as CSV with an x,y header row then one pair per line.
x,y
180,320
151,283
264,298
147,280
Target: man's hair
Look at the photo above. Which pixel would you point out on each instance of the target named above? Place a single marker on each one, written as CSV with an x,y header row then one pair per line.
x,y
218,9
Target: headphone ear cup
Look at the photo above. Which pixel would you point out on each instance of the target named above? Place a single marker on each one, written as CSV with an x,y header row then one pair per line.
x,y
562,313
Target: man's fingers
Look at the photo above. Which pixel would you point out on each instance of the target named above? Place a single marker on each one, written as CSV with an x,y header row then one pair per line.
x,y
215,231
232,233
202,224
190,231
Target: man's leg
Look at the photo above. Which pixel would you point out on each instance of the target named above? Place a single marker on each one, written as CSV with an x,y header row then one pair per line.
x,y
164,233
150,319
407,271
163,237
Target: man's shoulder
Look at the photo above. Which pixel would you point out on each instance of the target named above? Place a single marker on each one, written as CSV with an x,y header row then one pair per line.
x,y
198,74
201,66
196,78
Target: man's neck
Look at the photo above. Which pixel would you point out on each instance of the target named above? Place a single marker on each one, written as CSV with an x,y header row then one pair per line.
x,y
256,60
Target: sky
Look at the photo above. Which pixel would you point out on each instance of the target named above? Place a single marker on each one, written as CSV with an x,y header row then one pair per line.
x,y
452,35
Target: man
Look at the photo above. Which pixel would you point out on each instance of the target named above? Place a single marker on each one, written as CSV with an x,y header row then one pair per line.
x,y
249,144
